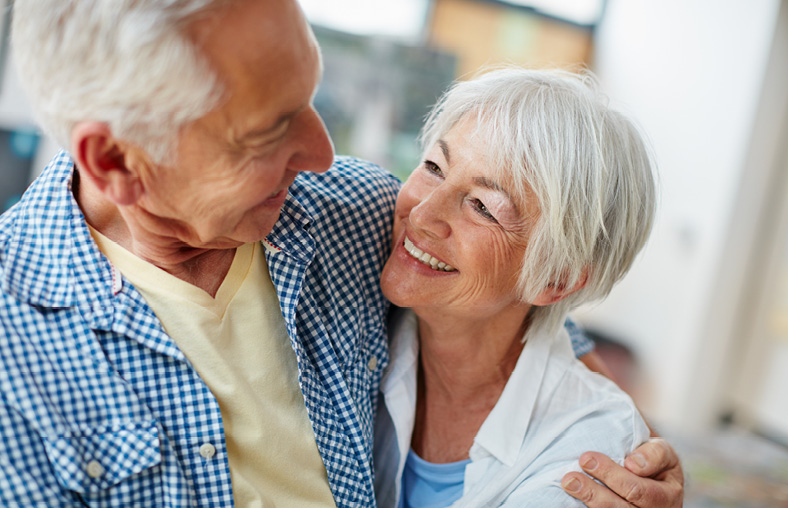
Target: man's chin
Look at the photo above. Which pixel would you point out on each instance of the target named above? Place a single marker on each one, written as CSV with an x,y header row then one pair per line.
x,y
249,235
248,231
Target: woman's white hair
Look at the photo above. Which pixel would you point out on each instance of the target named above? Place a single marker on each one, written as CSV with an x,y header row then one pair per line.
x,y
128,63
553,137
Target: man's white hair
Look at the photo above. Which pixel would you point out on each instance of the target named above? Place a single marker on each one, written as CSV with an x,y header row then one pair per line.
x,y
128,63
553,137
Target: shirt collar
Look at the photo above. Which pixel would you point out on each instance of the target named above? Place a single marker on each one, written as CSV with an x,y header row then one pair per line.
x,y
50,259
503,432
403,332
290,233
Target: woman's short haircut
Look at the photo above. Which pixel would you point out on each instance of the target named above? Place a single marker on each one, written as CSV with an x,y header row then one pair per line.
x,y
128,63
553,137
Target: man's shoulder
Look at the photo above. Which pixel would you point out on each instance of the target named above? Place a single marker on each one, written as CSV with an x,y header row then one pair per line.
x,y
348,167
348,178
8,228
8,219
353,199
42,204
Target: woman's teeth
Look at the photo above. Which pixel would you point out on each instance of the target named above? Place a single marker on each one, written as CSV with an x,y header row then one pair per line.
x,y
426,258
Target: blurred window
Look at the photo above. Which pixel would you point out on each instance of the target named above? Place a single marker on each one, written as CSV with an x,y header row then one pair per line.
x,y
403,19
579,12
387,62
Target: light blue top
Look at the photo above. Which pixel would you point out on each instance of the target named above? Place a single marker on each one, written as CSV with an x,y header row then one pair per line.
x,y
429,485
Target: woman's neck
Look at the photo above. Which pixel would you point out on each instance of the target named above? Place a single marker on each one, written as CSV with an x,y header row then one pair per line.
x,y
464,366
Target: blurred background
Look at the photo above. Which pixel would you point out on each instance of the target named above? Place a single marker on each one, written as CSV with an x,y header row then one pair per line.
x,y
698,331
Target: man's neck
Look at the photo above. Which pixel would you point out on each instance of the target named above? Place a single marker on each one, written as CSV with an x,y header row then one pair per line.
x,y
204,268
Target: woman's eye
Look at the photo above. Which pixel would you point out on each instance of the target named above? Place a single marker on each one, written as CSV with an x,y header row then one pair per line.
x,y
482,210
433,168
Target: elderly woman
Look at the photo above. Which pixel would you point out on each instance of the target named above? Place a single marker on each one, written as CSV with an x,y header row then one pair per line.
x,y
533,197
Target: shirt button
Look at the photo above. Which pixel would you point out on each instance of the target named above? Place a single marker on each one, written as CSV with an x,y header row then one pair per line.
x,y
207,450
94,469
373,362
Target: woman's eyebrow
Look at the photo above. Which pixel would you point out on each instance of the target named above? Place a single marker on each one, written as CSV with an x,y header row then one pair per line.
x,y
489,183
445,149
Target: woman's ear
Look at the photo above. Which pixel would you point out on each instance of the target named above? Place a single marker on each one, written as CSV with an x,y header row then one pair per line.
x,y
555,292
102,159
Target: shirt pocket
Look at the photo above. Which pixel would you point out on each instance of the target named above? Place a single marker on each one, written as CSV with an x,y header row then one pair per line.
x,y
92,460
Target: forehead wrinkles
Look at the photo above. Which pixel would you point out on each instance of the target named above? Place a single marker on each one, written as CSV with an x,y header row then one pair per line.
x,y
493,166
267,59
508,169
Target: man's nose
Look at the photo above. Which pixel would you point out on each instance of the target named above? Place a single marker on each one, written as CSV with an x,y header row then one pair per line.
x,y
315,151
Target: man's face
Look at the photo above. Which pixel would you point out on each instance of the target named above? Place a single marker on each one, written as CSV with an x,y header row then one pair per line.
x,y
235,164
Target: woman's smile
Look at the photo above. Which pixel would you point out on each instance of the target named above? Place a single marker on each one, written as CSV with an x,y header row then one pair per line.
x,y
426,258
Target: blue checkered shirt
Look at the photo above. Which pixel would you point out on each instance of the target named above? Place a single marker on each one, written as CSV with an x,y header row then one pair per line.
x,y
99,407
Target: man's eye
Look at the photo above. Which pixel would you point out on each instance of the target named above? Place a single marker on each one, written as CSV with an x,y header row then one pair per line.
x,y
433,168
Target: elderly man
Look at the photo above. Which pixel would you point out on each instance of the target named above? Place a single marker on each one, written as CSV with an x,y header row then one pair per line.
x,y
189,309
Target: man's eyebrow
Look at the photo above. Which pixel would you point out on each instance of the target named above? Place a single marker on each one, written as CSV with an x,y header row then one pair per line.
x,y
255,134
445,149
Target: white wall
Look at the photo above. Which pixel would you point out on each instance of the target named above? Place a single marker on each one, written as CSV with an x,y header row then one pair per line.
x,y
770,407
14,106
690,71
15,112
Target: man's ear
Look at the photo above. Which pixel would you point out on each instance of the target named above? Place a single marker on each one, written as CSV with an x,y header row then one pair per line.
x,y
102,159
556,292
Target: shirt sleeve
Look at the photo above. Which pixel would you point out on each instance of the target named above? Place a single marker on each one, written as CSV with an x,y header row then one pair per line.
x,y
581,344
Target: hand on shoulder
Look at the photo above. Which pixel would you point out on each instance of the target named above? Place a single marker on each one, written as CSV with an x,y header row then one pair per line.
x,y
652,477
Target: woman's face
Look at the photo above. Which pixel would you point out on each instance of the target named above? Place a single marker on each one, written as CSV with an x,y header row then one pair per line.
x,y
459,237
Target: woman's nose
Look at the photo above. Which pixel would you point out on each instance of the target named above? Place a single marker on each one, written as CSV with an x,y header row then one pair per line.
x,y
431,214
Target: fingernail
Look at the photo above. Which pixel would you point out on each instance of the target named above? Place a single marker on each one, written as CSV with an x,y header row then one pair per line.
x,y
639,459
590,464
572,485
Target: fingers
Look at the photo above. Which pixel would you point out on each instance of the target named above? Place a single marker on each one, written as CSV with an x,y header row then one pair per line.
x,y
623,486
594,495
652,458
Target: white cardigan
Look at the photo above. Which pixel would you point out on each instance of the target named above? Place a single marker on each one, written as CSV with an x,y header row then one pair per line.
x,y
551,411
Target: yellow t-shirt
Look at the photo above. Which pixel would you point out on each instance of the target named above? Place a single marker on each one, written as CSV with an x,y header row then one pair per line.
x,y
239,345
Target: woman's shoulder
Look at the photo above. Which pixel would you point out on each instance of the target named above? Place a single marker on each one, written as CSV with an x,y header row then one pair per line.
x,y
582,411
575,411
587,407
578,411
